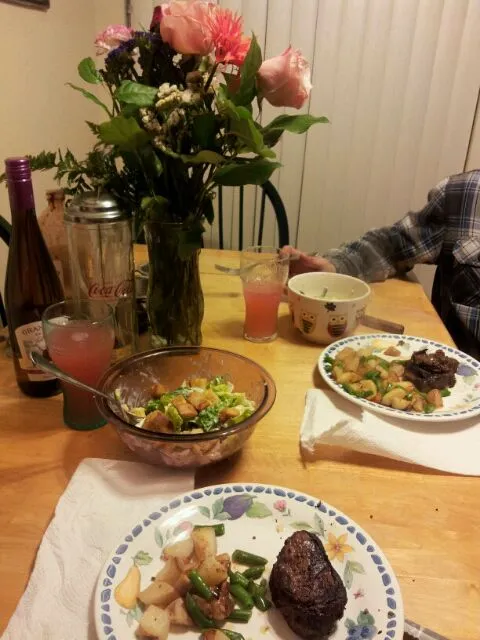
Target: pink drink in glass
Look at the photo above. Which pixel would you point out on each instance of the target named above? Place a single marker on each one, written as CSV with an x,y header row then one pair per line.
x,y
83,350
261,309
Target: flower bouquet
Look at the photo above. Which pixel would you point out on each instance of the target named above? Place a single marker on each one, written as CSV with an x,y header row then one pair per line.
x,y
179,107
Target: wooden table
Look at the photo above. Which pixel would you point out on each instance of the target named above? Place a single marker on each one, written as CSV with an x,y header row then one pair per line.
x,y
426,522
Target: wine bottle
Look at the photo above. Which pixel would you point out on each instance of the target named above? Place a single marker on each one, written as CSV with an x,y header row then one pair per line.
x,y
31,284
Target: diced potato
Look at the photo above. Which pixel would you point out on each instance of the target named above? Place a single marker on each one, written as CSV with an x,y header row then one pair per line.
x,y
204,542
384,373
345,353
370,386
348,377
158,390
187,564
212,571
371,363
178,613
351,363
405,384
435,397
159,593
396,392
169,572
418,404
397,369
337,371
127,591
155,623
181,549
400,403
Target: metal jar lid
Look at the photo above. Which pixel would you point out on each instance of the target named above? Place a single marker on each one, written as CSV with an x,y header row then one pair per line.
x,y
92,207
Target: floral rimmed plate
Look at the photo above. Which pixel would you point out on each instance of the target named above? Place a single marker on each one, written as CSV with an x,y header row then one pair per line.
x,y
258,518
464,401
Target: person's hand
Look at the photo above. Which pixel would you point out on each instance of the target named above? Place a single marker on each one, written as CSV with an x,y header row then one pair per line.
x,y
301,262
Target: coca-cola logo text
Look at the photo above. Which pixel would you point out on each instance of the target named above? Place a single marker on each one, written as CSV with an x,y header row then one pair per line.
x,y
118,290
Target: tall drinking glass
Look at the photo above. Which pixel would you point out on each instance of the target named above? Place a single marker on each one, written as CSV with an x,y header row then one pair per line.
x,y
264,273
80,336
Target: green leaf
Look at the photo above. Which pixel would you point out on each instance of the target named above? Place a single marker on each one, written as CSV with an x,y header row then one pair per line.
x,y
205,511
88,72
203,130
201,157
349,623
301,525
142,558
217,507
319,526
356,567
348,575
158,538
190,240
258,510
365,618
155,206
89,96
209,211
294,124
223,516
243,126
134,93
248,89
256,171
123,132
94,128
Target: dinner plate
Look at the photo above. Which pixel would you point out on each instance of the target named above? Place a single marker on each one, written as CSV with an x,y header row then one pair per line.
x,y
464,401
257,518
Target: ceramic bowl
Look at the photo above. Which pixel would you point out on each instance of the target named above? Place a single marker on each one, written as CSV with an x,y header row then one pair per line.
x,y
326,306
134,377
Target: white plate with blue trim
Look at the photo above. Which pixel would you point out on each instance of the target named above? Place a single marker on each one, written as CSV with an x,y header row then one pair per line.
x,y
257,518
463,401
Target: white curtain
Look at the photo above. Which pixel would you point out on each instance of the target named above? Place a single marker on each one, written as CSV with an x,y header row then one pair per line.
x,y
399,81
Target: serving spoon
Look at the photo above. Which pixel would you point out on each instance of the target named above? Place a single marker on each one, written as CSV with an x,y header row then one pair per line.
x,y
46,365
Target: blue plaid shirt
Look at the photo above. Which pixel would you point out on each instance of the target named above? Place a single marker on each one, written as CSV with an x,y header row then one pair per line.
x,y
446,232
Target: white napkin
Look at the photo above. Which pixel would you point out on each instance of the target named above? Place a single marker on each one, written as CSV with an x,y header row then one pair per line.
x,y
103,500
448,446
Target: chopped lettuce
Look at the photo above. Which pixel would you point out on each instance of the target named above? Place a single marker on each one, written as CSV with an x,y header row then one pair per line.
x,y
154,405
207,419
175,418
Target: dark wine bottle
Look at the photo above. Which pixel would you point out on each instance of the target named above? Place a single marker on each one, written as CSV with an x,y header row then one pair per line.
x,y
31,284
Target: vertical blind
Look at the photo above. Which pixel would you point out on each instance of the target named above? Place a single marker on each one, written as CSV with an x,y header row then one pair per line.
x,y
399,82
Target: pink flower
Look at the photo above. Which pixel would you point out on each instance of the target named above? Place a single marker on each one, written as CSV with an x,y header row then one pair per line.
x,y
111,37
156,18
226,28
184,26
280,505
284,81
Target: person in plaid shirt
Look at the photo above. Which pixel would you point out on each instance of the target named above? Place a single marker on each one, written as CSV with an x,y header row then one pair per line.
x,y
446,232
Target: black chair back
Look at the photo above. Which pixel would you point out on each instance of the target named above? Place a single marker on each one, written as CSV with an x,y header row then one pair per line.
x,y
5,233
268,191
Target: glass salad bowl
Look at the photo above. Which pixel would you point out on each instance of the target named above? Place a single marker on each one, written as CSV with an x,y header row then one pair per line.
x,y
132,380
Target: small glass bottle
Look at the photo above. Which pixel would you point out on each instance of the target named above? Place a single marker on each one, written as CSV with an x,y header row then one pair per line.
x,y
31,284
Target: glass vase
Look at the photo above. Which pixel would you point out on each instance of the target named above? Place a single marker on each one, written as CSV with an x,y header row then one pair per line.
x,y
174,296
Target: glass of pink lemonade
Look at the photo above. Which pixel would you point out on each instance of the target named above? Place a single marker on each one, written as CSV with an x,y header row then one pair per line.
x,y
80,336
264,274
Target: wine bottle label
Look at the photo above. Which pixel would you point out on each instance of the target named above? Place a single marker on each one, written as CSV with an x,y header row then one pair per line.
x,y
30,338
59,269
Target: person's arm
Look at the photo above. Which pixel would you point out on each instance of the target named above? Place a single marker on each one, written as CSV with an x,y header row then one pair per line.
x,y
381,253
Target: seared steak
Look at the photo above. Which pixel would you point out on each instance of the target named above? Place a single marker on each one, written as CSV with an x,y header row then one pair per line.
x,y
306,588
431,370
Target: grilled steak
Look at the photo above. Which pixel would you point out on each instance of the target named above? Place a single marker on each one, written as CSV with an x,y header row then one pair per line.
x,y
306,588
431,370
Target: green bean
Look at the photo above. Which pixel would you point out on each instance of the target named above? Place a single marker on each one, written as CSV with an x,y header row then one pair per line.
x,y
219,528
261,602
200,586
241,595
254,572
197,615
250,559
233,635
238,578
240,615
263,586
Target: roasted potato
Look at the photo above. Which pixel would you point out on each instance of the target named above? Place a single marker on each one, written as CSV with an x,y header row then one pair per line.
x,y
212,571
155,623
158,593
178,613
204,542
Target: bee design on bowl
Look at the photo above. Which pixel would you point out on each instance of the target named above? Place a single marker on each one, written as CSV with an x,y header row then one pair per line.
x,y
337,325
308,321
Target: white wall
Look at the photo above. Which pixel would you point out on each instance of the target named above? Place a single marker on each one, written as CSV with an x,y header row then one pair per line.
x,y
40,51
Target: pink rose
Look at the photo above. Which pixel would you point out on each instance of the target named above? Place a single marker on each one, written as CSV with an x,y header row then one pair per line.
x,y
184,26
111,37
284,81
280,505
156,18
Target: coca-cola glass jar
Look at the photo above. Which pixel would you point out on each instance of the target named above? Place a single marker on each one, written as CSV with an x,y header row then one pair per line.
x,y
100,247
